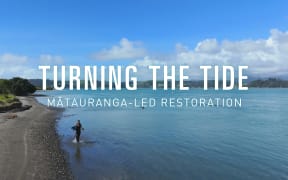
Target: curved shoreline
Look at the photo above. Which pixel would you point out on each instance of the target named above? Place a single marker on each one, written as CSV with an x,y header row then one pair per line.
x,y
30,146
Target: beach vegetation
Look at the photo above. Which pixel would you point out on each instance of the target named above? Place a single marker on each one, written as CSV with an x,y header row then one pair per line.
x,y
16,86
7,98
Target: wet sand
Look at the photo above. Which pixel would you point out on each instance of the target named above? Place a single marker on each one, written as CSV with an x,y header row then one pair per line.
x,y
29,144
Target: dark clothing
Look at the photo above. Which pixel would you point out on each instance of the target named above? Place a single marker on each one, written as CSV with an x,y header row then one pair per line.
x,y
78,128
78,136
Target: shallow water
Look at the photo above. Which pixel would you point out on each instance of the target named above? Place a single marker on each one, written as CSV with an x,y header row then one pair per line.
x,y
248,142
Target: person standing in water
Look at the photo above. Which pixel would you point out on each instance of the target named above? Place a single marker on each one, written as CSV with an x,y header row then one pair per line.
x,y
78,128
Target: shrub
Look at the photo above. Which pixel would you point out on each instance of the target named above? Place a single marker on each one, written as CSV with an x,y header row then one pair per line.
x,y
16,86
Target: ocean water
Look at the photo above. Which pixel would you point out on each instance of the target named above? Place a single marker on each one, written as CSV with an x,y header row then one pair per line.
x,y
247,142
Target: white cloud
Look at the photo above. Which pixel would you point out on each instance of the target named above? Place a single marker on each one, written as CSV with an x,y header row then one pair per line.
x,y
15,66
209,46
11,59
125,50
147,61
12,65
47,59
265,57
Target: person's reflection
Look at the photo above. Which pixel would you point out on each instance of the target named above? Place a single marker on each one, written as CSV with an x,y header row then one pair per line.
x,y
78,153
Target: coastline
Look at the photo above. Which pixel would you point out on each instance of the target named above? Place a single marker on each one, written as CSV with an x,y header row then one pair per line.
x,y
30,146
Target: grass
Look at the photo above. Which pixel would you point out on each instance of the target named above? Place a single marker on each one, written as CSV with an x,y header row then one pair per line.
x,y
7,99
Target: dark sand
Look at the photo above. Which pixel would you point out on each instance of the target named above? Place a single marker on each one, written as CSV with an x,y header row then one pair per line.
x,y
29,145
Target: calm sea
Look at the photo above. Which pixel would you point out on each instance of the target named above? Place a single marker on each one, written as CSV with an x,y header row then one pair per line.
x,y
247,142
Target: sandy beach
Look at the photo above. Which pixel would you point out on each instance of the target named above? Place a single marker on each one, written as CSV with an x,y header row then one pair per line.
x,y
29,145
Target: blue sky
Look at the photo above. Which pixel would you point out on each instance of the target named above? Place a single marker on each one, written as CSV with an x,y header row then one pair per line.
x,y
77,30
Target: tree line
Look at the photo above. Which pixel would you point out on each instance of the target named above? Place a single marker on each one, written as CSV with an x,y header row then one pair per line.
x,y
17,86
22,87
260,83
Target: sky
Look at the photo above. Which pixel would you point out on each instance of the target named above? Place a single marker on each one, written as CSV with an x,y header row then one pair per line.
x,y
140,33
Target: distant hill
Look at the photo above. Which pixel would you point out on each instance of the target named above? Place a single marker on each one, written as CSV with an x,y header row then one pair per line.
x,y
38,83
269,83
260,83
